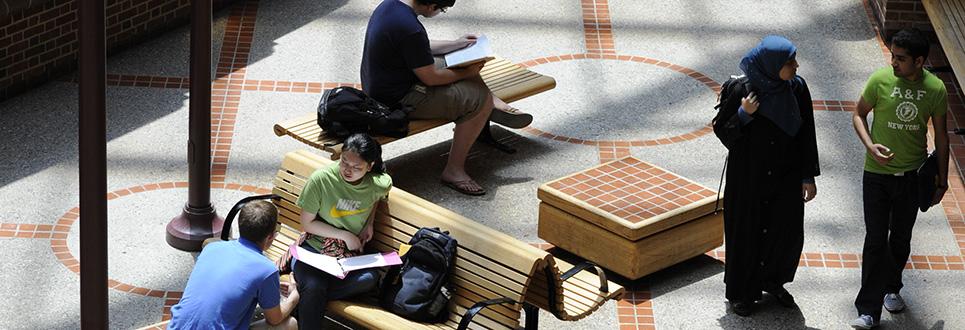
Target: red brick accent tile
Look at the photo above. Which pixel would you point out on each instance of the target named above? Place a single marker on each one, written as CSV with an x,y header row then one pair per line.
x,y
597,27
635,310
611,153
148,81
829,105
226,97
124,287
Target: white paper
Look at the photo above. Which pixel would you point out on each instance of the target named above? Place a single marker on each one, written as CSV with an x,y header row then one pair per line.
x,y
322,262
370,261
341,267
478,51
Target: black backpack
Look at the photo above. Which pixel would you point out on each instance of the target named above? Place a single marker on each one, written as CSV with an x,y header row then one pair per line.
x,y
344,111
731,93
419,290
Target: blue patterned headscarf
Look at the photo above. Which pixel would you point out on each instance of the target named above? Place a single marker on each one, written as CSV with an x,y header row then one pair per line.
x,y
762,65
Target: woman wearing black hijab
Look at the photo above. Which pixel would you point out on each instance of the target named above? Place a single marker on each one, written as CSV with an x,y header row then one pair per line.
x,y
773,160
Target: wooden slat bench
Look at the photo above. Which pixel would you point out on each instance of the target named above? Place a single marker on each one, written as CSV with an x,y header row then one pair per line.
x,y
948,18
490,264
508,81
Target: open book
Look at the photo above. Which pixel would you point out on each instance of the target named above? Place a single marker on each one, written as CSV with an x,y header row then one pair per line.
x,y
341,267
478,52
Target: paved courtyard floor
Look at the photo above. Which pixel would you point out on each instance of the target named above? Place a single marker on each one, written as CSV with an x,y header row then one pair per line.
x,y
633,78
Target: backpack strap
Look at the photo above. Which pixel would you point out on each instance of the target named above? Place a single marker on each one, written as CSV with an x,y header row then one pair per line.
x,y
226,229
721,185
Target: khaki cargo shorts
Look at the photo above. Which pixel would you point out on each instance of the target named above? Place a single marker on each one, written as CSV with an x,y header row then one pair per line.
x,y
456,102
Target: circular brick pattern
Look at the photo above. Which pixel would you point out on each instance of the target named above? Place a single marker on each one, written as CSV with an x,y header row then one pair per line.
x,y
60,232
700,77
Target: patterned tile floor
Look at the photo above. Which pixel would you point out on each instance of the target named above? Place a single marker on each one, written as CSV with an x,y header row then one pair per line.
x,y
601,41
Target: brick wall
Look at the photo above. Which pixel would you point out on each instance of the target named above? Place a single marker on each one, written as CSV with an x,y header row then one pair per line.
x,y
894,15
38,39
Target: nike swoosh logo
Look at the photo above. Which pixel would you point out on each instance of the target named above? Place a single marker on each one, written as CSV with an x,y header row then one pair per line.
x,y
336,213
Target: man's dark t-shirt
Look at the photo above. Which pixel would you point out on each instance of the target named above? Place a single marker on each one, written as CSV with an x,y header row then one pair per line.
x,y
395,43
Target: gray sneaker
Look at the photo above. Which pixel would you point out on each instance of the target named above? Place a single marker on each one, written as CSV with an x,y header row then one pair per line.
x,y
894,303
864,322
512,117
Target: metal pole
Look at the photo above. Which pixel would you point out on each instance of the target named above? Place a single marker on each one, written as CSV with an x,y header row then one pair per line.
x,y
93,167
198,220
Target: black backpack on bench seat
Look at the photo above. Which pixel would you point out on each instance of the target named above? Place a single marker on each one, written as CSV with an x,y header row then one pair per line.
x,y
419,290
344,111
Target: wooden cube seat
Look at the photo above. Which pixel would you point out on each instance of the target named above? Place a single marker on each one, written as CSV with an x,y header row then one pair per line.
x,y
630,217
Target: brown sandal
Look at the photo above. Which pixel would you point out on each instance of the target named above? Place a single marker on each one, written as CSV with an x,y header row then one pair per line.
x,y
463,187
511,117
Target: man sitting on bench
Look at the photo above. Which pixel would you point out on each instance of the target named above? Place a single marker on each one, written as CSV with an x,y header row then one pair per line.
x,y
398,67
230,277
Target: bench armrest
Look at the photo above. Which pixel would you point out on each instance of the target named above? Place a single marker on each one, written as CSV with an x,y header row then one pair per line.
x,y
472,311
584,265
226,229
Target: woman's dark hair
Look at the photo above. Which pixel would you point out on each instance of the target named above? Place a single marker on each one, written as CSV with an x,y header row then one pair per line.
x,y
913,40
367,148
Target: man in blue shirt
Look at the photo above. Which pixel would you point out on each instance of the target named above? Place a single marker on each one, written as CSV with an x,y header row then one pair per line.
x,y
398,66
231,277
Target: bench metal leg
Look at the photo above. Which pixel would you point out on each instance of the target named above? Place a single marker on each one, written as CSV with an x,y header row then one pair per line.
x,y
532,316
486,136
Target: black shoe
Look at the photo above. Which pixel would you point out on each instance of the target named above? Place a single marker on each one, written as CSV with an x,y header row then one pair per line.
x,y
783,297
742,308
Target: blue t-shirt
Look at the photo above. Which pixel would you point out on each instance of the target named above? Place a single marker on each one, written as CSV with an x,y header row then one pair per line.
x,y
395,43
228,279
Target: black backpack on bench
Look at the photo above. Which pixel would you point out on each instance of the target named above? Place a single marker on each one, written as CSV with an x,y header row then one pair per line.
x,y
420,289
344,111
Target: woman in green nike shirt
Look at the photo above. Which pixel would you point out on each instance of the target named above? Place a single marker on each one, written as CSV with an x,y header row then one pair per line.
x,y
337,215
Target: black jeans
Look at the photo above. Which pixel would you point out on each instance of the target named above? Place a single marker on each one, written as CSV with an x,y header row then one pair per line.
x,y
890,209
316,288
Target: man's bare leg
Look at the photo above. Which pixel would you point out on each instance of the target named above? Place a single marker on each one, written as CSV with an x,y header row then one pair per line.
x,y
508,116
463,137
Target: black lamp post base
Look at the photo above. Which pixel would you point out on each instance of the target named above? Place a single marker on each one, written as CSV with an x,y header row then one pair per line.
x,y
187,231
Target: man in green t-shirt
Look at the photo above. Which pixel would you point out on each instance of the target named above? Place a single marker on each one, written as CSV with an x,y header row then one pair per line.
x,y
903,98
